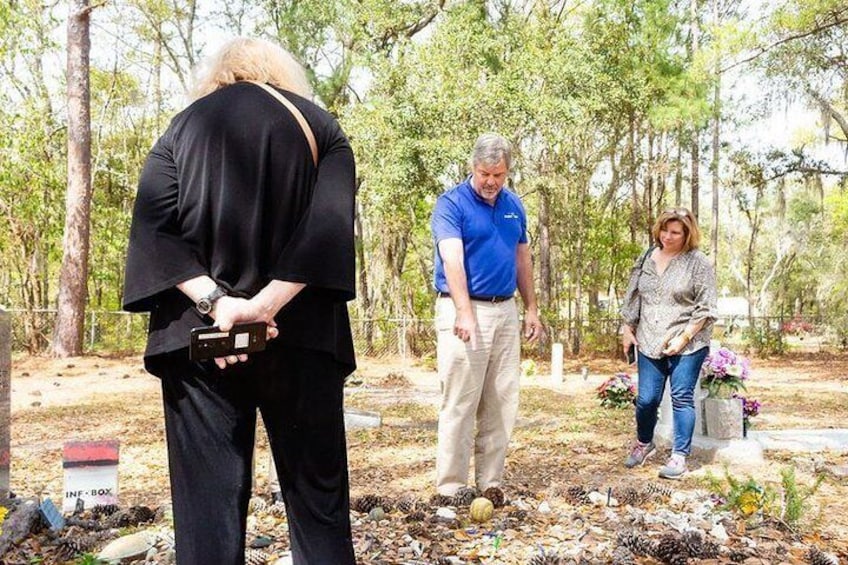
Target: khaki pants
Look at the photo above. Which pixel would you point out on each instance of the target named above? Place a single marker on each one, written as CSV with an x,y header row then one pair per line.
x,y
479,387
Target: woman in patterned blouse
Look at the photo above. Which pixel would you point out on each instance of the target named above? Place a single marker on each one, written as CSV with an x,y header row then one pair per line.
x,y
668,314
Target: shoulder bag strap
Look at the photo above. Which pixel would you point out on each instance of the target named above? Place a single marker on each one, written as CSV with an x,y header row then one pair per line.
x,y
304,125
645,256
642,263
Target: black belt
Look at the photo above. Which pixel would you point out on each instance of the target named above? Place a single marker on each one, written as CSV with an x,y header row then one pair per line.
x,y
492,299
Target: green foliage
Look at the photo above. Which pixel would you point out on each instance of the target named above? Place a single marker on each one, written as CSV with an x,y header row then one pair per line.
x,y
795,497
765,340
528,368
89,559
599,99
790,503
747,497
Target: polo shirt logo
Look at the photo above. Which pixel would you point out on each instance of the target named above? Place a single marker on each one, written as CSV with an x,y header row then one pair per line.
x,y
511,216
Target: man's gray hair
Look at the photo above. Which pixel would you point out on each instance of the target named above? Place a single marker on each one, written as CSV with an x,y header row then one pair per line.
x,y
490,149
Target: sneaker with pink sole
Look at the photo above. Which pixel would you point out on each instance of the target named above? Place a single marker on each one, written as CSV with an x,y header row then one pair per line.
x,y
639,453
675,468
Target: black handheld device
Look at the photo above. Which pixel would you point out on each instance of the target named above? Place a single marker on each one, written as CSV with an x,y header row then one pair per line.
x,y
631,354
209,342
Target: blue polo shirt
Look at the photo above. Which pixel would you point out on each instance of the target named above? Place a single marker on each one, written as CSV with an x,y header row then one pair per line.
x,y
490,236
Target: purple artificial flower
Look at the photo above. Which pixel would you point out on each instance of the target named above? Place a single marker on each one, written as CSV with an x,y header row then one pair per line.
x,y
724,368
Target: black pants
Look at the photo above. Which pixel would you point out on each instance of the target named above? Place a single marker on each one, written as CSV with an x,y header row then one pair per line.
x,y
210,421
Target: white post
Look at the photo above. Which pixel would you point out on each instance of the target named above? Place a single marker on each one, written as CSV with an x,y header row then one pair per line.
x,y
556,363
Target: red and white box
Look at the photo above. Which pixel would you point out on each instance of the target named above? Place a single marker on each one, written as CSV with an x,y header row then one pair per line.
x,y
91,473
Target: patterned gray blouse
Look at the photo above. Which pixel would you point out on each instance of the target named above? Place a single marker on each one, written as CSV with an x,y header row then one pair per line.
x,y
665,304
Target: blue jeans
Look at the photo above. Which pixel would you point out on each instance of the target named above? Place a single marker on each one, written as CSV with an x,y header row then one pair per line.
x,y
682,371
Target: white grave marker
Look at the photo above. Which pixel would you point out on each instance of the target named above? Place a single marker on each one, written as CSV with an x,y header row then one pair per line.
x,y
556,363
91,473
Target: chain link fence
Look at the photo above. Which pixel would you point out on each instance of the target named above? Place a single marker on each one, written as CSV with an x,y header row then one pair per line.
x,y
114,332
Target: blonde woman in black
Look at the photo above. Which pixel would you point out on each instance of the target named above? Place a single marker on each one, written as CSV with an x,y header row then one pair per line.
x,y
240,217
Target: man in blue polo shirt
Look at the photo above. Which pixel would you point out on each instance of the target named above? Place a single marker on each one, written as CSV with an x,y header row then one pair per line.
x,y
482,256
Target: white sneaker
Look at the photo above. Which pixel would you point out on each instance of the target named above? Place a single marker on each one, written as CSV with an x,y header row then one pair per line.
x,y
675,468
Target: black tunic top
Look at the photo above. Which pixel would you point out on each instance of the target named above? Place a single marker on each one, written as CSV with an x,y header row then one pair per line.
x,y
230,191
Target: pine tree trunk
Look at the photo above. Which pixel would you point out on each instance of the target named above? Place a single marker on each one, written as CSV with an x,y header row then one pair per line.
x,y
716,151
544,248
678,171
634,193
649,178
696,135
68,333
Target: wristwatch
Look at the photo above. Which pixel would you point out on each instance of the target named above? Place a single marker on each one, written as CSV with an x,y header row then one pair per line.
x,y
205,304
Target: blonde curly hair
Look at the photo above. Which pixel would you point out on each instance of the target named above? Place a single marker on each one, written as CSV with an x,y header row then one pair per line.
x,y
245,58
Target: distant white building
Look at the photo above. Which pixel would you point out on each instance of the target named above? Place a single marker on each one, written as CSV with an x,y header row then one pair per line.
x,y
733,311
732,307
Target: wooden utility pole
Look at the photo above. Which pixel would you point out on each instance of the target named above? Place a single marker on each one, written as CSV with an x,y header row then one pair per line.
x,y
73,277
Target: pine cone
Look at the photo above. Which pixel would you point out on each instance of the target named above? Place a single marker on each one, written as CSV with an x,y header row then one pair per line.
x,y
693,540
496,495
141,514
257,504
657,491
277,510
84,523
415,516
637,543
366,503
622,556
709,550
406,503
547,559
576,494
518,514
815,556
738,555
440,500
255,557
132,516
75,543
631,496
418,530
68,548
671,549
464,496
102,510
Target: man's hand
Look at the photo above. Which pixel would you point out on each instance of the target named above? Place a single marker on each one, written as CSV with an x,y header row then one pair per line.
x,y
533,328
465,327
229,311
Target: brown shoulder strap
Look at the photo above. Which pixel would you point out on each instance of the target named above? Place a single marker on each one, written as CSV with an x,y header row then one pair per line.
x,y
304,125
